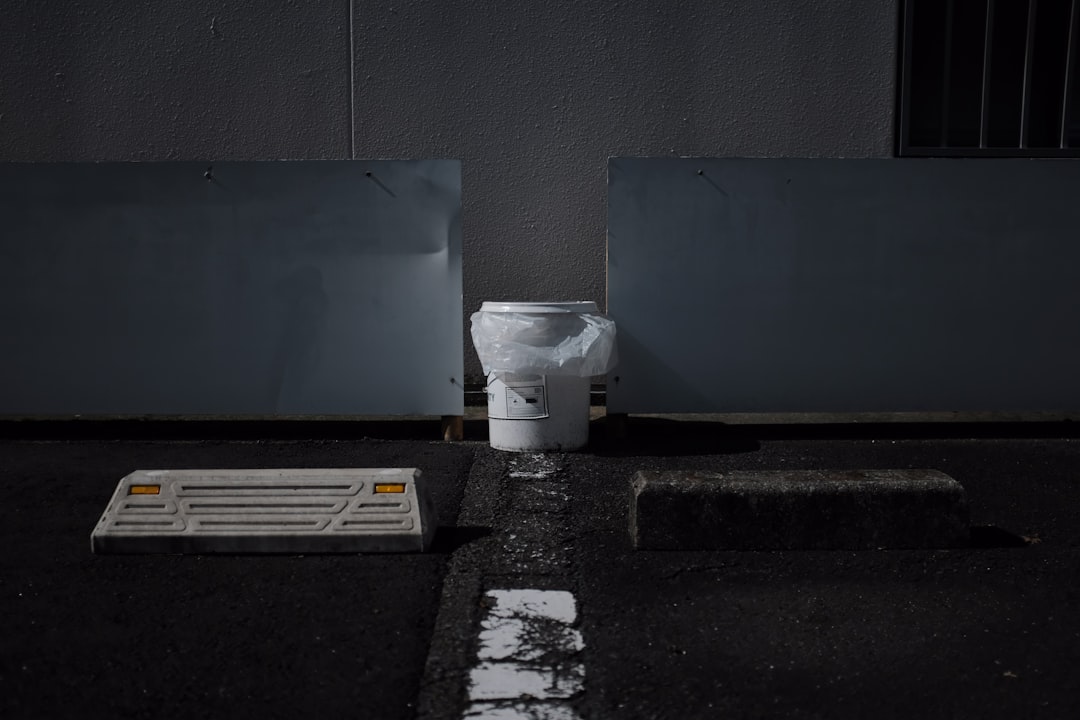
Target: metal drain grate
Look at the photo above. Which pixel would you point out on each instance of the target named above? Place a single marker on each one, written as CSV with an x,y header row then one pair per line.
x,y
267,511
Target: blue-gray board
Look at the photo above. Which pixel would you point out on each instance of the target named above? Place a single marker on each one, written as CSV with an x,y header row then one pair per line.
x,y
246,288
821,285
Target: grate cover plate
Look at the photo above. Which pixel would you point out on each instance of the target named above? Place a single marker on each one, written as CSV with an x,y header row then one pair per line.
x,y
267,511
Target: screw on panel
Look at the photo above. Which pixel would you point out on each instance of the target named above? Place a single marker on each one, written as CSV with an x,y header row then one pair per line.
x,y
371,176
706,178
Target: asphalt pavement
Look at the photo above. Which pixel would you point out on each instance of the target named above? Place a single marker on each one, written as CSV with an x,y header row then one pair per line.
x,y
159,636
988,631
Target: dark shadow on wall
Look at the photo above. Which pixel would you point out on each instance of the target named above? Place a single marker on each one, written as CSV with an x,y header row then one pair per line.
x,y
650,436
225,429
623,436
991,536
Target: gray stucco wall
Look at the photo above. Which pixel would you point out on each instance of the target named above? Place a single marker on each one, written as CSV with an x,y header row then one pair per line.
x,y
532,97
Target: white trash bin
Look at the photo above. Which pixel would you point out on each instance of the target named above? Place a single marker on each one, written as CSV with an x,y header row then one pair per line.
x,y
539,358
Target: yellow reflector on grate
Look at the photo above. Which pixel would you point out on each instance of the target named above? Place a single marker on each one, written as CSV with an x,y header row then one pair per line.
x,y
144,490
389,487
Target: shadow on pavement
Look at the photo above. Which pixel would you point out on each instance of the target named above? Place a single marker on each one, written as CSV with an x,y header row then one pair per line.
x,y
659,436
450,539
985,537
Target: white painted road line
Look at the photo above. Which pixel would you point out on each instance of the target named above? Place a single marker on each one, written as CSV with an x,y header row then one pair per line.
x,y
512,680
536,466
528,657
522,711
510,630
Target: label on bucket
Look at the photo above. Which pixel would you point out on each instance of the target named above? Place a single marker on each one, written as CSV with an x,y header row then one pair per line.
x,y
517,399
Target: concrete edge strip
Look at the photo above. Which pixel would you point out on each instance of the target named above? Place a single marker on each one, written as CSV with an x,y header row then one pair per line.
x,y
797,510
446,671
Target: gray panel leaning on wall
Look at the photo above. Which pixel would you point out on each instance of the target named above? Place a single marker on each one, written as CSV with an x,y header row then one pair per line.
x,y
241,288
823,285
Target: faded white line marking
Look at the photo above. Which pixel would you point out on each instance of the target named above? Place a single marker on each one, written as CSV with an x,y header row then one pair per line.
x,y
521,711
512,680
533,467
557,605
528,649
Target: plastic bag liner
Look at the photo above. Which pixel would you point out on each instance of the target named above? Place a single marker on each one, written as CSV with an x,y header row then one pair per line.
x,y
578,344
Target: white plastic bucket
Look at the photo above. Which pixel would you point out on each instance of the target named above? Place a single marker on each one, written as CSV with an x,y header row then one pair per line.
x,y
538,412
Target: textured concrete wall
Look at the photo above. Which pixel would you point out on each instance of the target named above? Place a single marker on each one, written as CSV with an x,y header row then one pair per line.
x,y
533,97
173,80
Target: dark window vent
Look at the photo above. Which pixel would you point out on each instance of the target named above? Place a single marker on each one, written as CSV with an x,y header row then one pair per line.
x,y
989,78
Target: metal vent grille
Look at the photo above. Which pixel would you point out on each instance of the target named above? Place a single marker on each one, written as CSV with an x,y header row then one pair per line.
x,y
267,511
995,78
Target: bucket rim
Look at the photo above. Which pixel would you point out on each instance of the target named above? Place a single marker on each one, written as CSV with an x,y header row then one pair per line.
x,y
580,306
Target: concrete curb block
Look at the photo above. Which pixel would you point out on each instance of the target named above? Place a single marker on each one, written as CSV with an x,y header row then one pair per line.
x,y
797,510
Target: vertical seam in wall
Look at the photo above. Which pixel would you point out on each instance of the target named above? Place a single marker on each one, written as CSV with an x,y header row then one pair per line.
x,y
352,85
